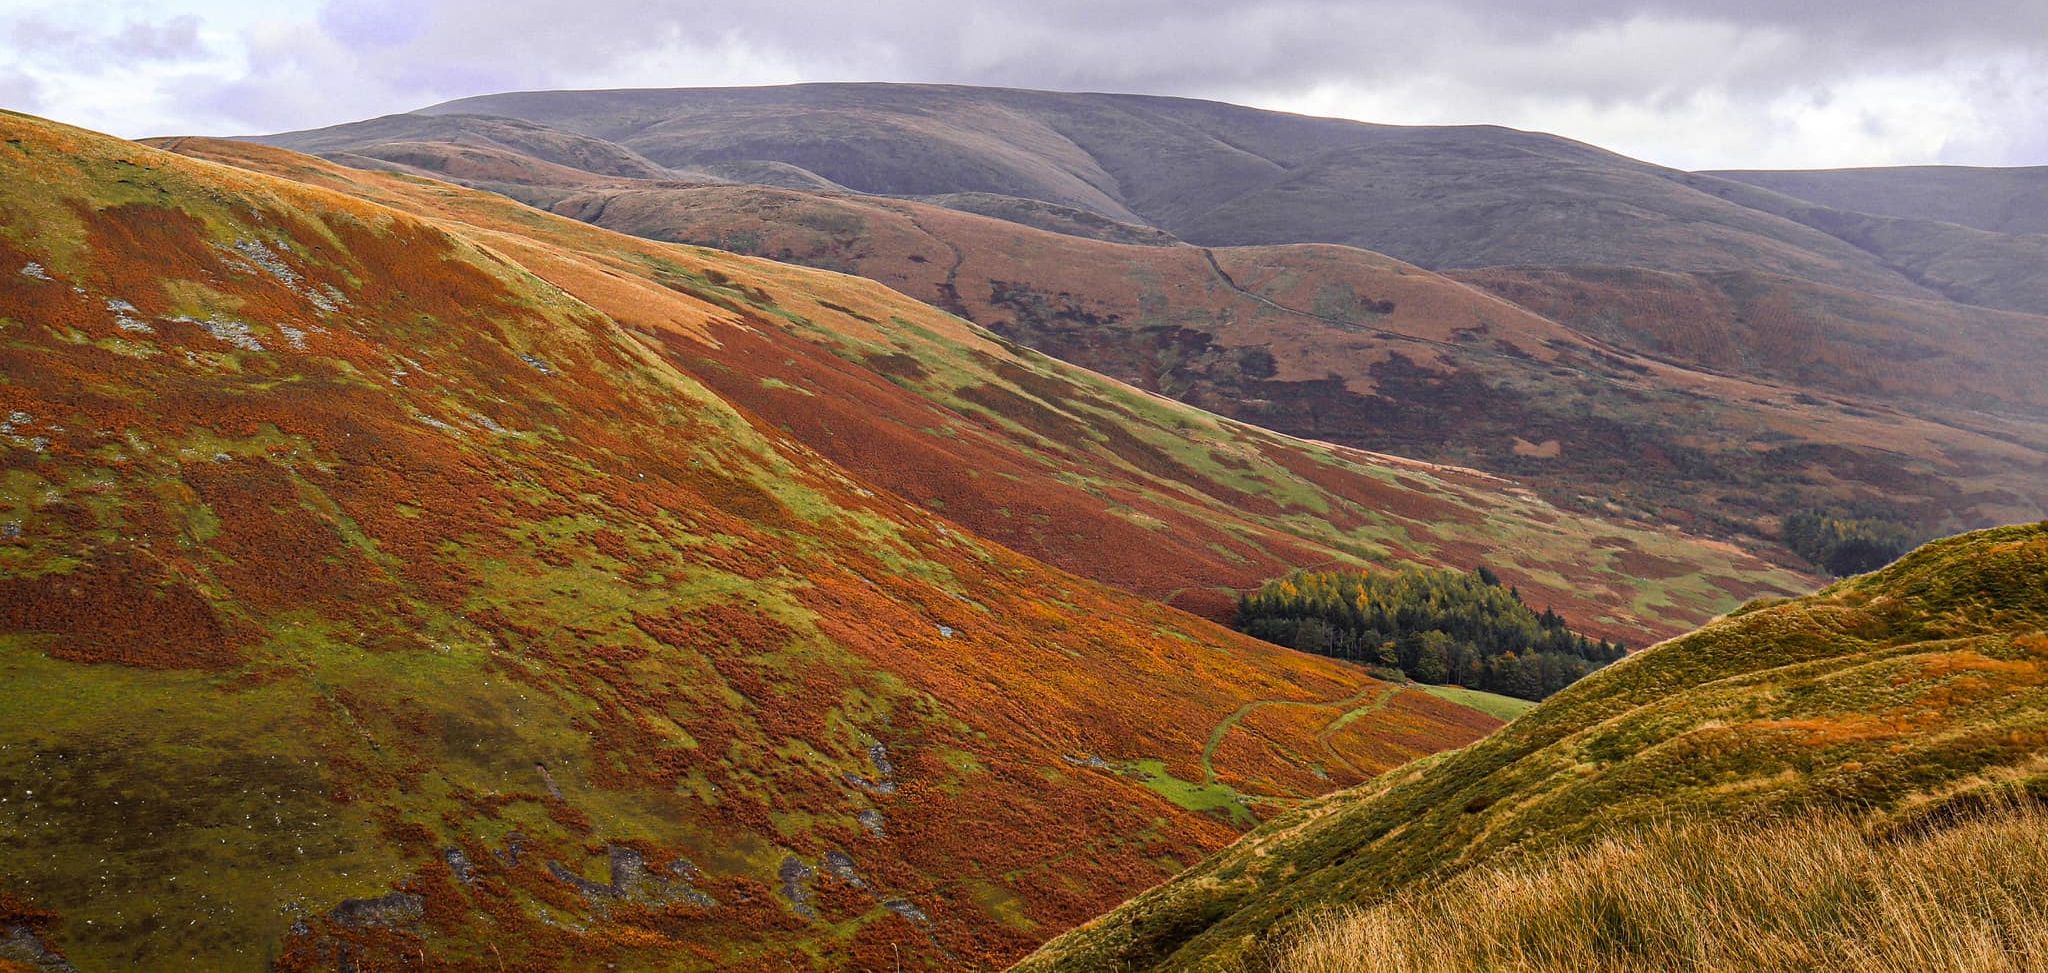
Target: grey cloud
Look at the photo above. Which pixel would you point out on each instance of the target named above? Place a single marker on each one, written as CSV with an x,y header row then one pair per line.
x,y
173,39
1205,46
19,91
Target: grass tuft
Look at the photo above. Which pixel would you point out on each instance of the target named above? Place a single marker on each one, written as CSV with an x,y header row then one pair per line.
x,y
1811,894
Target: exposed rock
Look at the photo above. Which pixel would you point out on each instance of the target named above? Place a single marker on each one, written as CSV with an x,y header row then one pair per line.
x,y
233,332
590,889
395,909
885,772
515,844
458,863
21,944
683,888
35,270
262,256
840,865
902,907
548,779
871,819
125,319
796,877
539,366
879,753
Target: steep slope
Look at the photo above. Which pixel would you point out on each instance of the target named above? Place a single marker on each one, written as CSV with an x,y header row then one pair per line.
x,y
1814,893
1353,347
368,600
1131,489
1907,697
1999,200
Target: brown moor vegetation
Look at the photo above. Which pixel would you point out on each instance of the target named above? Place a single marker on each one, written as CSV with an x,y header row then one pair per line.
x,y
396,575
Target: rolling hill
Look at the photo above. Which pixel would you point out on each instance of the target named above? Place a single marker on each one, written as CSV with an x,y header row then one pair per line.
x,y
1861,399
1910,699
394,574
1134,490
1676,347
1998,200
1209,173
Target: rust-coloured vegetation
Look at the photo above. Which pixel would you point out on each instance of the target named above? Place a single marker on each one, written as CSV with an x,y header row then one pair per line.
x,y
383,590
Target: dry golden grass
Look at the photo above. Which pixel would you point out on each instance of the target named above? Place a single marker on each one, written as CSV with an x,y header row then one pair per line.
x,y
1813,895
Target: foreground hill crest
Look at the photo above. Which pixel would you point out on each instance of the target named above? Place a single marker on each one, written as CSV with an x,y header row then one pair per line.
x,y
1907,697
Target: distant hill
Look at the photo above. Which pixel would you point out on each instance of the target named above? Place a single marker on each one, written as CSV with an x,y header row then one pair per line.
x,y
1909,699
1857,362
1350,346
1999,200
1209,173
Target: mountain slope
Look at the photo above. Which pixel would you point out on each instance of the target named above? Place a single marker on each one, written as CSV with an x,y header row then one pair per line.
x,y
1907,697
1209,173
367,599
1130,489
2003,200
1788,356
1353,347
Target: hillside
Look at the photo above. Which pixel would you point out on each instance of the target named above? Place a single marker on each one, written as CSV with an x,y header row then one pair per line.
x,y
368,597
1811,893
1136,491
1353,347
1209,173
393,573
1910,698
1999,200
1785,355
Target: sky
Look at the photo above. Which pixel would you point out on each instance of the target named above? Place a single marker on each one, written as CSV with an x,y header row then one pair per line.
x,y
1690,83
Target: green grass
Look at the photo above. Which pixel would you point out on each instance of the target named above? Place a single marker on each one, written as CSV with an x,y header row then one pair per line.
x,y
1206,798
1503,708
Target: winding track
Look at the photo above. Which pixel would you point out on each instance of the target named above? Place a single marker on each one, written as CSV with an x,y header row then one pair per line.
x,y
1353,706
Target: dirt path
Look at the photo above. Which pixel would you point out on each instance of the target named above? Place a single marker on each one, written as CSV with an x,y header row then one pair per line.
x,y
1354,707
1337,726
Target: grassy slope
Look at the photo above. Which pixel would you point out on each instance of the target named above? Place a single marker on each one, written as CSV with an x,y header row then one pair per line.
x,y
1355,347
1127,488
1809,894
1905,695
1500,707
370,593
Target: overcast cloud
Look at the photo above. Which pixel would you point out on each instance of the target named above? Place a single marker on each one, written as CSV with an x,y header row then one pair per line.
x,y
1691,83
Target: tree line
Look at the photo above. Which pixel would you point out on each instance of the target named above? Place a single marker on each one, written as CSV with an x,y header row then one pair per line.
x,y
1843,546
1436,626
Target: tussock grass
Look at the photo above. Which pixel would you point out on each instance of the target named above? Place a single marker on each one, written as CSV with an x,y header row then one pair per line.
x,y
1816,894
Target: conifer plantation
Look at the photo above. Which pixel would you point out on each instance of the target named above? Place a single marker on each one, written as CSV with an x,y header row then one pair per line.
x,y
1434,625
